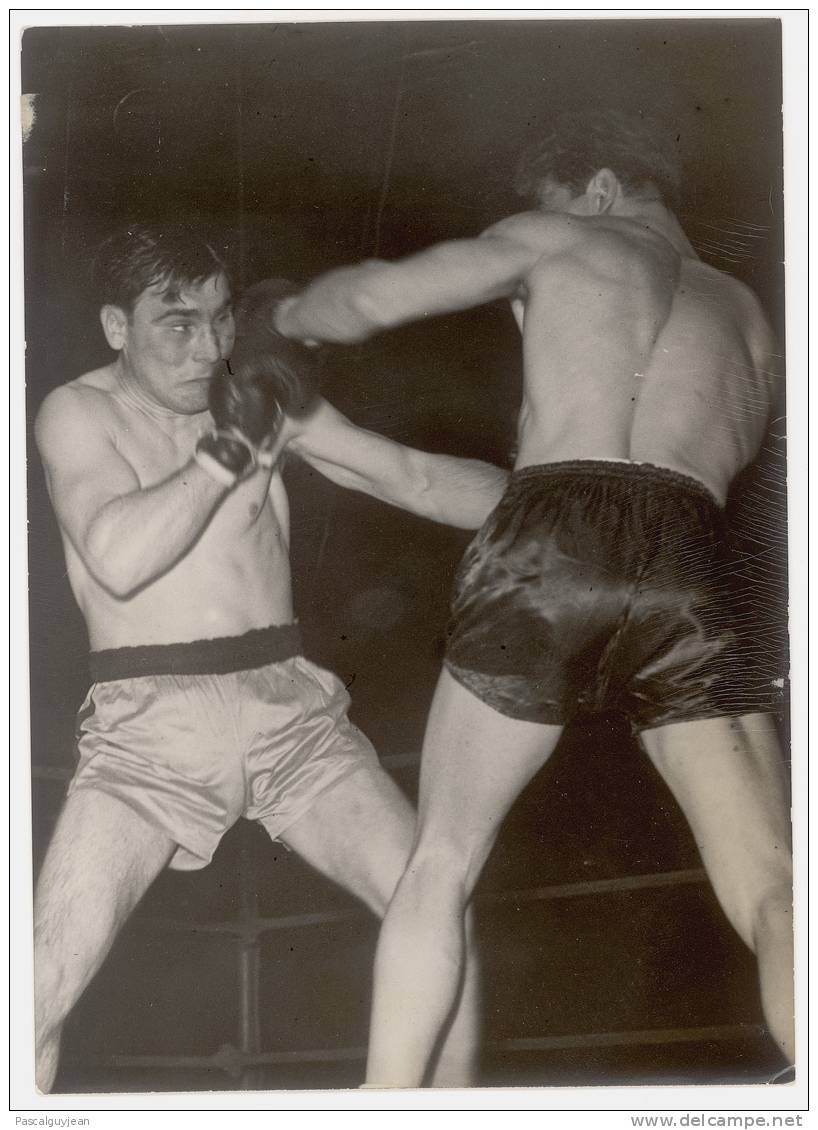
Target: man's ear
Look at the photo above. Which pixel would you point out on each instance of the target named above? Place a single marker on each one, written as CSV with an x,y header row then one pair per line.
x,y
603,189
114,325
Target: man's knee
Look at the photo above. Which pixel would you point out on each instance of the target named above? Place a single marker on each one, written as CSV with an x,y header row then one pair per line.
x,y
51,1008
773,916
441,867
55,974
47,1058
448,852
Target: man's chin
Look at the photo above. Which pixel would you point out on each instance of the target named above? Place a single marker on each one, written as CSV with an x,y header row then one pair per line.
x,y
199,410
196,399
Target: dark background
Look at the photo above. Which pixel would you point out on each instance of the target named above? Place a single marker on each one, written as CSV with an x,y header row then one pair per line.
x,y
305,146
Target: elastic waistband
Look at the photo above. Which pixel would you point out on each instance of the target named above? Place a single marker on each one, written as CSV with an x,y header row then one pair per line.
x,y
645,473
221,656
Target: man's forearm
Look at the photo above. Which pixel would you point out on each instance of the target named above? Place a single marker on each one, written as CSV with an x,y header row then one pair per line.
x,y
336,307
461,492
351,304
458,492
137,537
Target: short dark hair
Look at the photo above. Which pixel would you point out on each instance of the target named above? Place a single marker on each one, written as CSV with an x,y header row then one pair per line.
x,y
640,150
140,255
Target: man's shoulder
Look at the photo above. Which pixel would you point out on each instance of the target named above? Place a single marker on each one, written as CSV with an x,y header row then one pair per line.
x,y
727,288
79,406
538,228
554,235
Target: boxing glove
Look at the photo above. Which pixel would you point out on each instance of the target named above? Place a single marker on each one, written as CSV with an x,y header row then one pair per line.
x,y
287,369
267,375
247,415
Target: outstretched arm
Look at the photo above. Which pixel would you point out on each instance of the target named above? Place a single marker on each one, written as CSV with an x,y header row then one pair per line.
x,y
456,492
125,535
352,303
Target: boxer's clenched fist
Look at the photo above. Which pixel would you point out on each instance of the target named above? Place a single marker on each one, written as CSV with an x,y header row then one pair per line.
x,y
249,404
261,355
267,376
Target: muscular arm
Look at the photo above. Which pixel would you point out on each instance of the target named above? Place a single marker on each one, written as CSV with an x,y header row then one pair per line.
x,y
456,492
126,536
353,303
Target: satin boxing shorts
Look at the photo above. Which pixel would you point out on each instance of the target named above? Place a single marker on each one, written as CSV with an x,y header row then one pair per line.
x,y
596,586
192,736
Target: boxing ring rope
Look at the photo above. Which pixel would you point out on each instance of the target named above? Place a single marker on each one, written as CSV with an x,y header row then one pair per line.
x,y
233,1062
248,928
65,773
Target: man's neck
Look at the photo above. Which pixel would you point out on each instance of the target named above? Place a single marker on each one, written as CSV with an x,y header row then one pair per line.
x,y
657,218
133,395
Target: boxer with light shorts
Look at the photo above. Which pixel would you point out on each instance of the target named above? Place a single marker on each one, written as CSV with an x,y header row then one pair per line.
x,y
163,469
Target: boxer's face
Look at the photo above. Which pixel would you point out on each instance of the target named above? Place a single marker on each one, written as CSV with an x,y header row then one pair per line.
x,y
173,344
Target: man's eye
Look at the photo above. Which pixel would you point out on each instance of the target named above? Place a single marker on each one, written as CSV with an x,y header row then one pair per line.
x,y
180,329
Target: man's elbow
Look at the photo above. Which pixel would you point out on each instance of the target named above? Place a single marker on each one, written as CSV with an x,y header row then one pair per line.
x,y
468,509
421,491
496,486
117,580
113,570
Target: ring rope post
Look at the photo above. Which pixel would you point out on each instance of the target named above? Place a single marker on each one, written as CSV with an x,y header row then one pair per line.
x,y
230,1060
248,971
248,1064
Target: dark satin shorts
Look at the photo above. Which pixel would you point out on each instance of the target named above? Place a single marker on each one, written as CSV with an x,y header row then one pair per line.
x,y
597,586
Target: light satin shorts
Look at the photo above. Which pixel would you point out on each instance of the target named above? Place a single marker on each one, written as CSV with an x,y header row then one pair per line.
x,y
192,736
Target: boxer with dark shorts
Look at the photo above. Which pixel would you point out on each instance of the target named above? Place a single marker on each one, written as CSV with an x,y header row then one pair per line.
x,y
599,586
601,579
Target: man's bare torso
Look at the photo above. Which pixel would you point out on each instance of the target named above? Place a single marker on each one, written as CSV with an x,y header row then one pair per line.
x,y
634,351
235,577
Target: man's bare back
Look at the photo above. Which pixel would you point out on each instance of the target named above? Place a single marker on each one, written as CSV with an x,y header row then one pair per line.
x,y
635,351
600,580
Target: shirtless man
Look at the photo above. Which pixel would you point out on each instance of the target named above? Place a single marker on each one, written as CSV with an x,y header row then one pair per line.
x,y
596,584
202,707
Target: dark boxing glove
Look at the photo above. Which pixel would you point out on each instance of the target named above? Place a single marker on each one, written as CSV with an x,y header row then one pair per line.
x,y
246,414
262,355
268,375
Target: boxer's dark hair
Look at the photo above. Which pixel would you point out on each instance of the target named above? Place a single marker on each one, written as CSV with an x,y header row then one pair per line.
x,y
176,255
640,150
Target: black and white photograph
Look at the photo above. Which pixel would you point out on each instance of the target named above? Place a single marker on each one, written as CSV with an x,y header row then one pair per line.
x,y
410,683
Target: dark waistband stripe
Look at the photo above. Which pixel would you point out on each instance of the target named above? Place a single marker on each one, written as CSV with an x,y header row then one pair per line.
x,y
645,473
221,656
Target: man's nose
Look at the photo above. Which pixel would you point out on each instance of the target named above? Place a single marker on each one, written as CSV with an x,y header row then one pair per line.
x,y
208,346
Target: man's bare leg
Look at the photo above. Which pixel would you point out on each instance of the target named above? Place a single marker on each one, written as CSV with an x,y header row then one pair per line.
x,y
359,834
728,777
475,764
101,860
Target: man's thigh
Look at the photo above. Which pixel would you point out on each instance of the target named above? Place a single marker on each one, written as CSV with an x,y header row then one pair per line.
x,y
716,766
729,778
99,862
358,833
